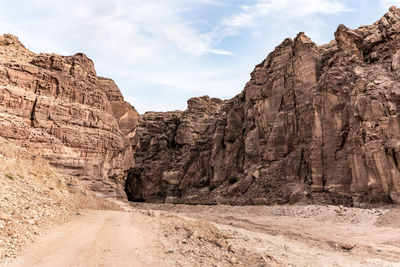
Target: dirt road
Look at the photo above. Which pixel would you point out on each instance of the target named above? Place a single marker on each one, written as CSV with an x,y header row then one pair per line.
x,y
134,238
180,235
97,238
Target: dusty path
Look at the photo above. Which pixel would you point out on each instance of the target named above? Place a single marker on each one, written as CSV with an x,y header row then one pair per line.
x,y
96,238
134,238
180,235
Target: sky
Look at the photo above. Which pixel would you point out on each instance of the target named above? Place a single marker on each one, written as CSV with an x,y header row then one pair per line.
x,y
162,52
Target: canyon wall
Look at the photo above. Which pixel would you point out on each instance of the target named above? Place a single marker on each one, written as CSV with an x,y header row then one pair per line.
x,y
57,107
315,124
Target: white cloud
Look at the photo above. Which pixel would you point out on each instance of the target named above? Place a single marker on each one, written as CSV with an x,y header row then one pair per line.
x,y
152,43
385,4
141,27
251,15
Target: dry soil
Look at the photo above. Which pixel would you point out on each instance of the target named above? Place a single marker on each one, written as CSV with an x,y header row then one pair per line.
x,y
181,235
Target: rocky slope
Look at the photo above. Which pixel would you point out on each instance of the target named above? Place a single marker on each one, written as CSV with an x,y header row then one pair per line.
x,y
59,108
313,124
34,195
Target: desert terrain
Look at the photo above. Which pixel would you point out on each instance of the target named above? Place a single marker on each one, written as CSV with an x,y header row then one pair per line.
x,y
299,169
220,235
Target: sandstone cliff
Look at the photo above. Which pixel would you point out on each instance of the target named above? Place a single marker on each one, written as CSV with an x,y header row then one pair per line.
x,y
59,108
313,124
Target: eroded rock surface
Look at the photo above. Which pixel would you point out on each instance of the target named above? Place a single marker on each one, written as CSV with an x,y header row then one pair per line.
x,y
314,124
59,108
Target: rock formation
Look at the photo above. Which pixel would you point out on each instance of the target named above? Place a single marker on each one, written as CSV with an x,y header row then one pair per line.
x,y
314,124
59,108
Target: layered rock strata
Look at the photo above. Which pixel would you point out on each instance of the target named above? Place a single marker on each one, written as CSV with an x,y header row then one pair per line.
x,y
314,124
59,108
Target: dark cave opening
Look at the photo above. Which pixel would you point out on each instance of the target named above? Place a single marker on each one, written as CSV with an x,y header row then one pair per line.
x,y
134,187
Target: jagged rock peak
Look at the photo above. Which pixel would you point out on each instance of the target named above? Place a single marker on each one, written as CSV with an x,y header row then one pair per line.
x,y
12,50
76,63
10,40
204,103
302,38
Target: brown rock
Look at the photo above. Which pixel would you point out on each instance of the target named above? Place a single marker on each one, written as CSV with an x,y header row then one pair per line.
x,y
57,107
313,124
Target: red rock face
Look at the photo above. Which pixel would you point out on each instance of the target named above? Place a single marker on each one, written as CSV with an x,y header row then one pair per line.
x,y
314,124
59,108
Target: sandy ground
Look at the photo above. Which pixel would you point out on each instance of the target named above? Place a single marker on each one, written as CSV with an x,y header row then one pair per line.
x,y
306,235
181,235
96,238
